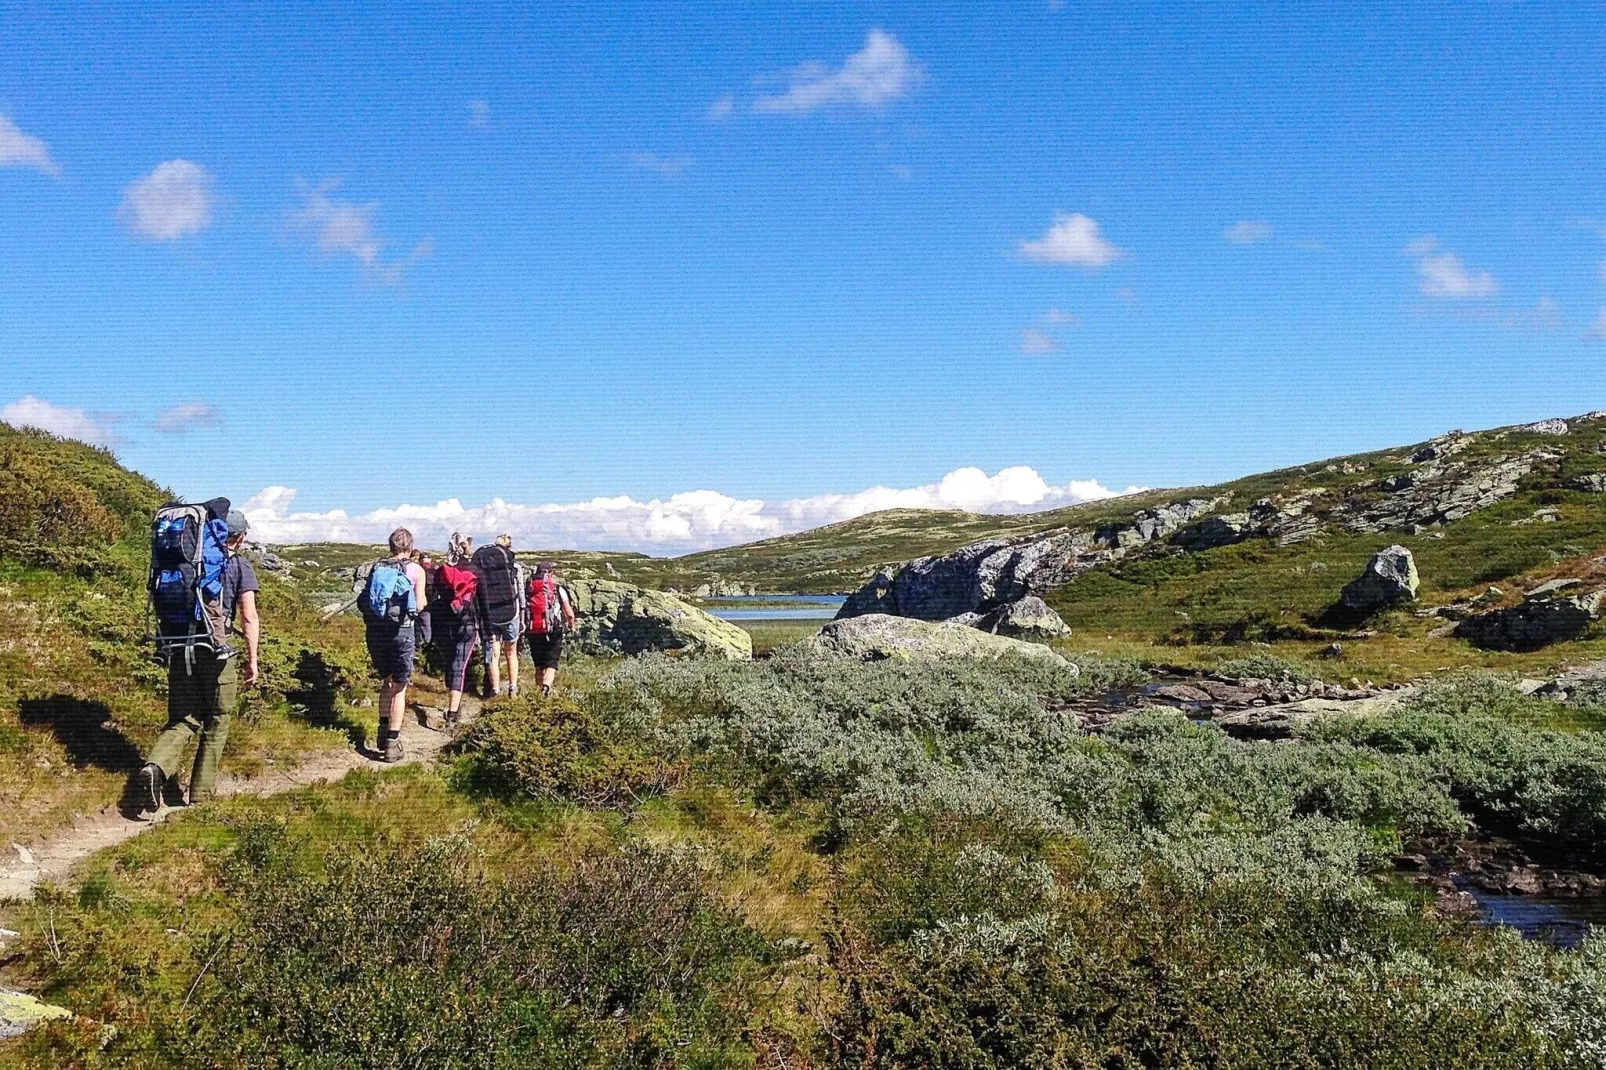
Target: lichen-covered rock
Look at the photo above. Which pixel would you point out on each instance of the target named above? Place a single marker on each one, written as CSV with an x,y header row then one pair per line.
x,y
1594,483
1547,427
20,1012
1545,616
1436,493
1390,577
877,636
620,618
1025,618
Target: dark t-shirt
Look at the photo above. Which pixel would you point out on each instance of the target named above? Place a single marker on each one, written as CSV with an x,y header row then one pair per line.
x,y
238,578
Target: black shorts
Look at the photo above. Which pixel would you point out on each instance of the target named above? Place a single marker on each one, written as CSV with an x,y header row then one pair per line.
x,y
545,648
391,648
456,644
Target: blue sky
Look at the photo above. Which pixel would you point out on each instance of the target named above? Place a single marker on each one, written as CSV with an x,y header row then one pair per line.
x,y
522,260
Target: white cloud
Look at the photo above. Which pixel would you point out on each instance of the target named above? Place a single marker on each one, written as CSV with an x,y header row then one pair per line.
x,y
876,75
1442,274
342,227
24,150
29,411
1061,318
667,166
1597,329
1037,343
692,520
1073,239
175,199
479,114
1247,231
722,108
188,416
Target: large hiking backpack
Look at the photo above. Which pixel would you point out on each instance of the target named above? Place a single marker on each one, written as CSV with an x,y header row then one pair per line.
x,y
546,610
456,587
386,592
498,585
188,559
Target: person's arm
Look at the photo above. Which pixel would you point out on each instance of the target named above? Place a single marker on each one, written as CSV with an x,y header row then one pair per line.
x,y
252,625
568,608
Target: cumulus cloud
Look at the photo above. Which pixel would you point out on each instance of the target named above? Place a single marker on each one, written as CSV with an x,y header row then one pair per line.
x,y
1072,239
723,107
24,150
1035,342
667,166
479,114
876,75
691,520
174,200
1597,329
341,227
1248,231
1441,273
188,416
1061,318
30,411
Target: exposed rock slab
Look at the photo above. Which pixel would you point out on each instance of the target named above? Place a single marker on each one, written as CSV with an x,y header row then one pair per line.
x,y
20,1012
1545,616
1282,720
877,636
620,618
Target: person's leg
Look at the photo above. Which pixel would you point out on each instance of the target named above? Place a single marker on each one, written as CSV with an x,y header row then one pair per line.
x,y
549,676
223,696
513,667
184,712
493,670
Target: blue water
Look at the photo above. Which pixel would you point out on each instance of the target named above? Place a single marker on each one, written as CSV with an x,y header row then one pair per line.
x,y
1559,922
807,607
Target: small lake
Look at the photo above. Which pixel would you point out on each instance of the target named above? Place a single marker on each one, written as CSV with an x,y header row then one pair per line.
x,y
1558,922
776,606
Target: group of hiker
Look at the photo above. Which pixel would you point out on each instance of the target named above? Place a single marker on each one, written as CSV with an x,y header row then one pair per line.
x,y
203,594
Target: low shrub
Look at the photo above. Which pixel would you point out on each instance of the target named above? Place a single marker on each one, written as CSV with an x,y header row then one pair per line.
x,y
1267,667
554,750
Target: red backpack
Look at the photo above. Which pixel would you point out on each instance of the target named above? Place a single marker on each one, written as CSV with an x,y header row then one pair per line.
x,y
457,585
546,611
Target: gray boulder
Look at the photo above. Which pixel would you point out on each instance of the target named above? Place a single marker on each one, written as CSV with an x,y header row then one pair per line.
x,y
1390,577
1025,618
1594,483
877,636
1545,616
620,618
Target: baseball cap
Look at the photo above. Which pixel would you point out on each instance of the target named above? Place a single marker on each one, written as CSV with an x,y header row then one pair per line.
x,y
238,525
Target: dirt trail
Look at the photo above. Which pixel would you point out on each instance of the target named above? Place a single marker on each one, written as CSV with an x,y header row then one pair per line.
x,y
21,870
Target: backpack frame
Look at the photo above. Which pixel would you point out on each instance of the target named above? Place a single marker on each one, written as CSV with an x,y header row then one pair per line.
x,y
184,587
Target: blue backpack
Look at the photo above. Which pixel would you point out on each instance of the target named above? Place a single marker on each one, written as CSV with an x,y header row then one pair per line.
x,y
188,559
387,593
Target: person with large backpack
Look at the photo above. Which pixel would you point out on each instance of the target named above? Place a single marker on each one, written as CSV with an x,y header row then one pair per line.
x,y
454,590
549,612
501,607
391,593
198,583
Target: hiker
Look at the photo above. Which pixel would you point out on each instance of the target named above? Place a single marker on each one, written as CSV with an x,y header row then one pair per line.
x,y
203,682
390,600
501,612
456,619
426,633
549,613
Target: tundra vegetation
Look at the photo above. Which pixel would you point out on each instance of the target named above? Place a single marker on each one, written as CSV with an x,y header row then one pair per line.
x,y
807,860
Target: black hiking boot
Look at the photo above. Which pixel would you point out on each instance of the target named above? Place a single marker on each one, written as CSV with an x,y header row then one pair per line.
x,y
453,719
546,690
152,783
393,748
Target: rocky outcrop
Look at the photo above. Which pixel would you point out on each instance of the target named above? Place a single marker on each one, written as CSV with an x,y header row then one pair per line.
x,y
1389,578
987,575
619,618
20,1012
877,636
1551,613
1594,483
1436,493
1547,427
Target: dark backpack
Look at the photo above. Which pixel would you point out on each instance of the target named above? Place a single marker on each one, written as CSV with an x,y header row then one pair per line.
x,y
546,609
498,586
188,559
386,592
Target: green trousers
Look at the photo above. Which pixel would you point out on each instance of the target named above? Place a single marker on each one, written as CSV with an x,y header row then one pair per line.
x,y
199,701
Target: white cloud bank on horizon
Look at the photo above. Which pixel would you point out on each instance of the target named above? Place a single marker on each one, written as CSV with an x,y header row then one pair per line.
x,y
18,149
60,420
691,520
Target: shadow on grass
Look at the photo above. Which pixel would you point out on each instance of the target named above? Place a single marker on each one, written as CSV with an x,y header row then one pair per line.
x,y
317,695
82,727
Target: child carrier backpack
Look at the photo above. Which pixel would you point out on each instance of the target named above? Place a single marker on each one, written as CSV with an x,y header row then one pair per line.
x,y
386,592
185,586
498,586
546,611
